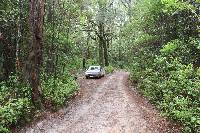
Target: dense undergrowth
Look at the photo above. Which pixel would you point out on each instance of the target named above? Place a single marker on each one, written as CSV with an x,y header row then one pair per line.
x,y
16,104
59,90
109,69
165,64
174,88
15,96
60,59
158,41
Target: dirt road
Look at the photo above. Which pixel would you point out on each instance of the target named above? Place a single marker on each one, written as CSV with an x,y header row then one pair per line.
x,y
106,105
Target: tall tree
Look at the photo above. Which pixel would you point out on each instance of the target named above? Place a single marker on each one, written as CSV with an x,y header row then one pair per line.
x,y
102,26
36,14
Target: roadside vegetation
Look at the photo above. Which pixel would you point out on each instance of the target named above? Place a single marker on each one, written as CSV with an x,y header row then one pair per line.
x,y
45,44
109,69
165,57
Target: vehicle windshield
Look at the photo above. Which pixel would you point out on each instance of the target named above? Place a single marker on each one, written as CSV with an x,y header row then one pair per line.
x,y
94,68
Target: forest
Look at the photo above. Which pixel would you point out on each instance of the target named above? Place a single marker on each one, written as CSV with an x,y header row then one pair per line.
x,y
46,44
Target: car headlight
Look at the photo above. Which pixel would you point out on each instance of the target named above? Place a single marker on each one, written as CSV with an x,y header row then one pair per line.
x,y
87,73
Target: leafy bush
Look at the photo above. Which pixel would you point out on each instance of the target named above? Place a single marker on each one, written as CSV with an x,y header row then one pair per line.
x,y
175,89
14,102
91,62
165,62
109,69
59,90
15,98
13,111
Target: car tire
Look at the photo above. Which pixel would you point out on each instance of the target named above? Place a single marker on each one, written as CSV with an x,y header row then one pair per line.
x,y
87,77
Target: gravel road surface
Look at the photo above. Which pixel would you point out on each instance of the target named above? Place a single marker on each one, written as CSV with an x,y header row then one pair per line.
x,y
106,105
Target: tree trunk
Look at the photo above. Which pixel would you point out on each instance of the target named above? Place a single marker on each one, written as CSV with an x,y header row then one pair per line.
x,y
88,47
36,16
105,49
101,54
101,43
8,52
84,63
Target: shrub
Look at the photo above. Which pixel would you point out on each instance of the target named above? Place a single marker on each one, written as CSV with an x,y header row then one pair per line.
x,y
109,69
91,62
59,90
13,111
15,98
14,103
174,88
170,83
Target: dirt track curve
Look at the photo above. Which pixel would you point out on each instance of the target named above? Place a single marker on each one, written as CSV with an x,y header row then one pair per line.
x,y
106,105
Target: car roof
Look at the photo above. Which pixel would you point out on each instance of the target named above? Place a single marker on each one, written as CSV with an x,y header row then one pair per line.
x,y
95,66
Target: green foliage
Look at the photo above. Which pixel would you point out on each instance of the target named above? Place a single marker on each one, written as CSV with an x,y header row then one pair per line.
x,y
91,62
109,69
198,72
59,90
159,43
15,98
174,88
13,111
170,47
171,6
61,54
4,130
143,38
165,64
14,102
